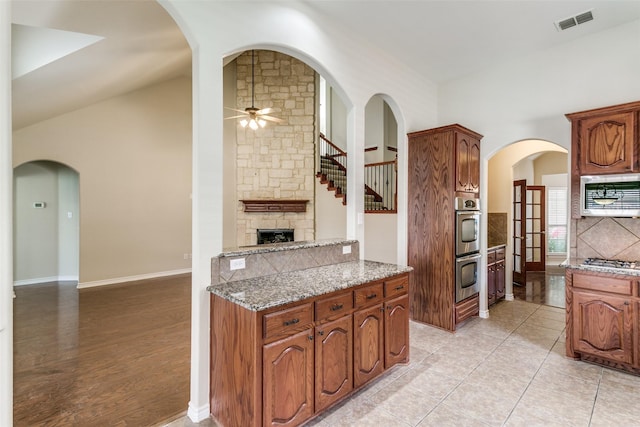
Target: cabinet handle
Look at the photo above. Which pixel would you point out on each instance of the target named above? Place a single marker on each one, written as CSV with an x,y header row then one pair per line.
x,y
372,296
291,322
626,303
337,307
310,337
321,333
399,287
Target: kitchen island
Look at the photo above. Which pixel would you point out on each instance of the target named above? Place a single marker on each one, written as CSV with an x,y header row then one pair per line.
x,y
286,346
603,309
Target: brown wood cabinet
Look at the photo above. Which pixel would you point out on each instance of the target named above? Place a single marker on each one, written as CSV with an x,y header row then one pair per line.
x,y
443,164
467,162
603,141
602,318
495,274
284,365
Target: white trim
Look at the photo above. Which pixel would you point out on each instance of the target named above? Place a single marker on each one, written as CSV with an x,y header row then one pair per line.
x,y
483,314
132,278
509,297
39,280
198,414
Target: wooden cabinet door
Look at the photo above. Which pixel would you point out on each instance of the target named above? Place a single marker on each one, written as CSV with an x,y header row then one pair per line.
x,y
288,370
491,284
368,346
463,146
396,331
499,279
474,166
602,326
607,144
334,361
467,163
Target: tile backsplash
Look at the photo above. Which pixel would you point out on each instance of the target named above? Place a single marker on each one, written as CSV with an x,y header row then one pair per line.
x,y
264,262
496,229
604,237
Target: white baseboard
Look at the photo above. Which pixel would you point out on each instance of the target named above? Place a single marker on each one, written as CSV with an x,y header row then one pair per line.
x,y
509,297
39,280
483,314
132,278
198,414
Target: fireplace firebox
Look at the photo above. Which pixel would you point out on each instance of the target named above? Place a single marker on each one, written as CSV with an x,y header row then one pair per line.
x,y
276,235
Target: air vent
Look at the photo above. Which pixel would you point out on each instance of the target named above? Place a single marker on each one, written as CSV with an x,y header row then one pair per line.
x,y
572,21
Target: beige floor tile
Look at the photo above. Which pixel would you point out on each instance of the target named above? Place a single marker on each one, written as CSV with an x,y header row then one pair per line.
x,y
553,407
445,416
482,403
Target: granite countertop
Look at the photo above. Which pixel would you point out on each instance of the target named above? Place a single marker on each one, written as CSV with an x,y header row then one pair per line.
x,y
496,246
577,264
274,290
282,246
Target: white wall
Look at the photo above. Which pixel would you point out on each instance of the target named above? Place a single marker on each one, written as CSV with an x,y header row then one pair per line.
x,y
6,229
331,214
381,237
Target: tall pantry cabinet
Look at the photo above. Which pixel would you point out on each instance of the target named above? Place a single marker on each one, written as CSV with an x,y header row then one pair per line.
x,y
443,163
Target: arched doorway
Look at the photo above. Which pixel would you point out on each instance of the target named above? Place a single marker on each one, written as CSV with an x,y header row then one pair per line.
x,y
46,223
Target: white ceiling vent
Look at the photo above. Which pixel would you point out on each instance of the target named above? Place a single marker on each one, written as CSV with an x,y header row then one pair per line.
x,y
572,21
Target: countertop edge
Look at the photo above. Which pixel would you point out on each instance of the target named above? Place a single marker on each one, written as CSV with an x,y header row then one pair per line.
x,y
306,283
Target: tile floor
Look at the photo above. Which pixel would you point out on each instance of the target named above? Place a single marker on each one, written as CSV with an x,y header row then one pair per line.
x,y
508,370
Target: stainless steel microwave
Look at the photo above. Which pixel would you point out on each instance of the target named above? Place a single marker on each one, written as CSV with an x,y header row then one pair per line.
x,y
610,195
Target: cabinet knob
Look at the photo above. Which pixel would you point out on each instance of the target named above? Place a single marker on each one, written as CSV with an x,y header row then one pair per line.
x,y
310,337
321,333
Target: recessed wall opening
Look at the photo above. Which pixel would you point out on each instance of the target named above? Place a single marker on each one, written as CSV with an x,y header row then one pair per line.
x,y
277,235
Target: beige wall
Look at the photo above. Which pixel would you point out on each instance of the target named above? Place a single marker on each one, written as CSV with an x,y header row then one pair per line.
x,y
133,156
278,161
552,163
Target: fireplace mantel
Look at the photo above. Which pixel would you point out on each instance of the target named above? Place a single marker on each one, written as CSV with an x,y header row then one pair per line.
x,y
275,205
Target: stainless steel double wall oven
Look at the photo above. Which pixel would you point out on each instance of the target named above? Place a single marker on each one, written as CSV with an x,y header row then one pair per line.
x,y
467,246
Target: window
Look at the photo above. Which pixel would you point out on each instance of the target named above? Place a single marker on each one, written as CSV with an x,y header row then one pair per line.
x,y
557,220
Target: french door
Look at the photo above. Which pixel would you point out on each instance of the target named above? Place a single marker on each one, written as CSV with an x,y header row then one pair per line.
x,y
529,230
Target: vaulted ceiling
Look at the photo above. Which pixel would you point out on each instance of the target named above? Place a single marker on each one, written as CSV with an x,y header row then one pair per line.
x,y
107,48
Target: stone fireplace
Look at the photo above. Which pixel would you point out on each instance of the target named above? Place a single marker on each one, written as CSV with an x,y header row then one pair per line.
x,y
276,162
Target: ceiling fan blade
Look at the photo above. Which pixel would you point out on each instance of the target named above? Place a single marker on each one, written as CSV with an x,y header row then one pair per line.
x,y
272,119
264,110
235,117
235,109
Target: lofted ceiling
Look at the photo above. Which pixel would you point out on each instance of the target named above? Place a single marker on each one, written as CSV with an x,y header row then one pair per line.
x,y
107,48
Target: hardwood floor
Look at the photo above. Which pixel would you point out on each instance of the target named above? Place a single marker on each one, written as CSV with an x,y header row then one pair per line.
x,y
545,288
113,355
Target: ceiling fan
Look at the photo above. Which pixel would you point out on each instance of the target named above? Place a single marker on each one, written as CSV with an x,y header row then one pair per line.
x,y
251,116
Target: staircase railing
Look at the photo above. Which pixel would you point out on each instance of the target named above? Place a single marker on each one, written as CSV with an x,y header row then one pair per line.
x,y
381,183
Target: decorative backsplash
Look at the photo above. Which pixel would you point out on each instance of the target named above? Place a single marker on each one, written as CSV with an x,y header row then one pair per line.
x,y
496,229
605,237
264,260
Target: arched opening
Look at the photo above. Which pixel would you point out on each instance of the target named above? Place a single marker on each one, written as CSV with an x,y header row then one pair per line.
x,y
544,228
46,235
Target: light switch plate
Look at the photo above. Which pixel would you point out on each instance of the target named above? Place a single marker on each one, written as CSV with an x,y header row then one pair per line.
x,y
346,250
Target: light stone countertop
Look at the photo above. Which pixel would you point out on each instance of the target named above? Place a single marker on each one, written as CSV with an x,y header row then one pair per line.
x,y
576,264
282,246
264,292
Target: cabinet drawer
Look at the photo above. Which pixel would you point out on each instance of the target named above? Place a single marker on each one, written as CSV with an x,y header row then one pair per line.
x,y
466,309
396,286
368,295
500,253
491,257
334,306
285,322
603,284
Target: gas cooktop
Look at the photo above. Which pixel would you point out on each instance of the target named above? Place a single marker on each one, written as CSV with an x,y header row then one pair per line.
x,y
612,263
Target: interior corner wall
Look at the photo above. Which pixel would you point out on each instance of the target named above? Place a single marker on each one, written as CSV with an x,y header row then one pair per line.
x,y
381,237
133,156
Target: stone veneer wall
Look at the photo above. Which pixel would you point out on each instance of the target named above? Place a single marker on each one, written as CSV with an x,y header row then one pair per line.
x,y
278,161
603,237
